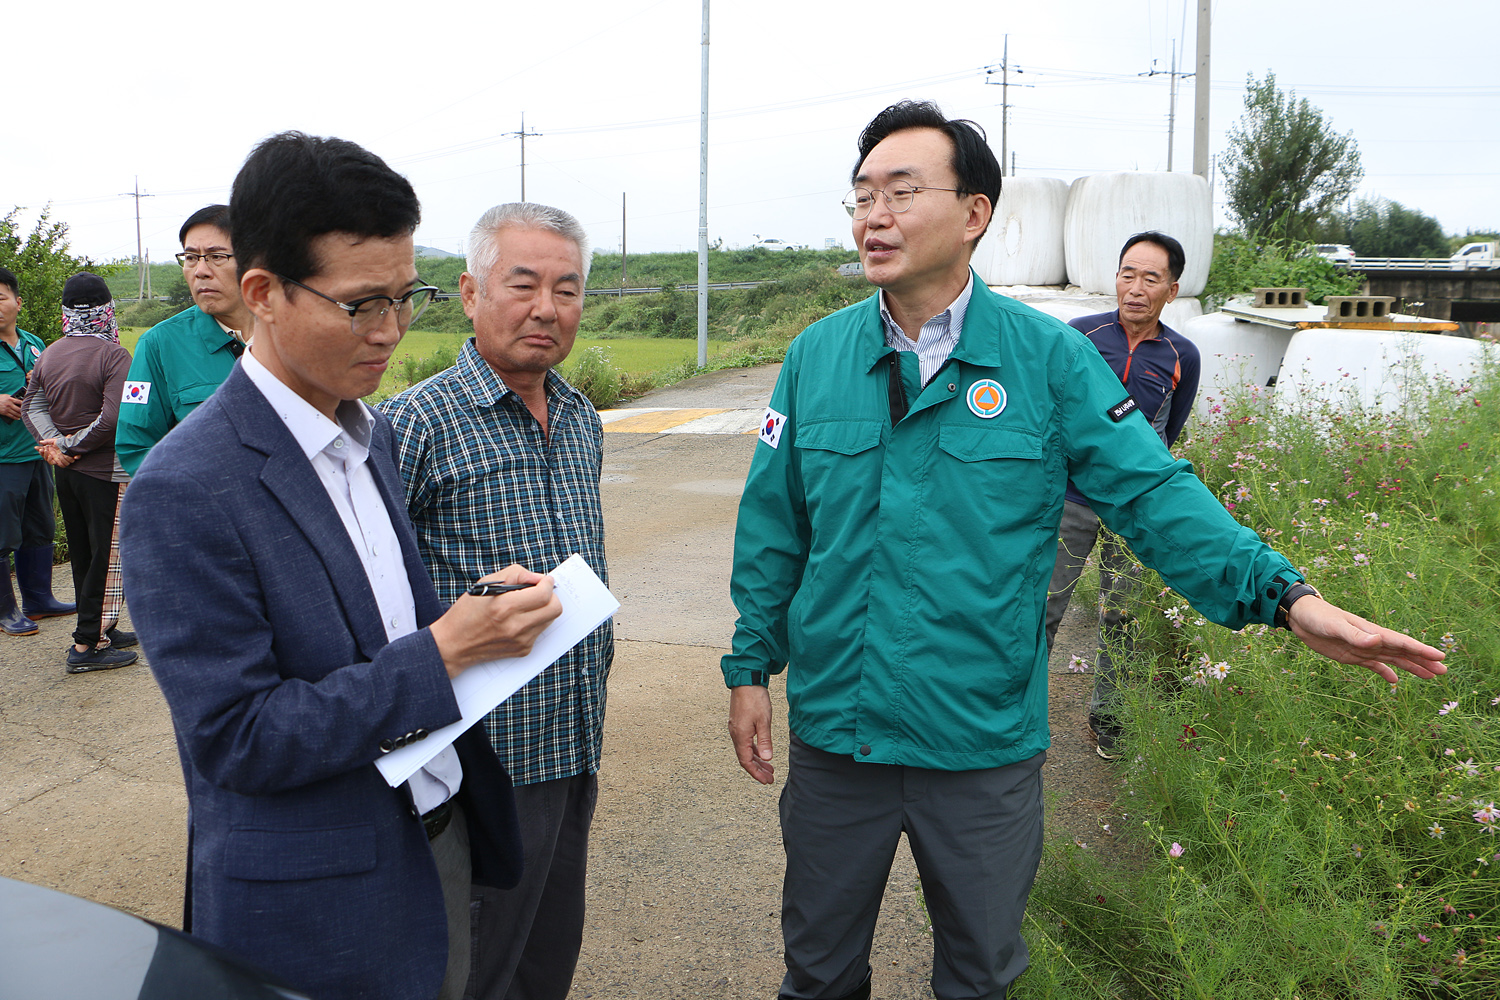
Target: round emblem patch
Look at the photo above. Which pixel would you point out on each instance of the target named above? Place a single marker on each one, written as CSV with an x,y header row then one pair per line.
x,y
986,398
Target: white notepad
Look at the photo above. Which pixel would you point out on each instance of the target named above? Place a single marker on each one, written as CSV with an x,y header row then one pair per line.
x,y
586,604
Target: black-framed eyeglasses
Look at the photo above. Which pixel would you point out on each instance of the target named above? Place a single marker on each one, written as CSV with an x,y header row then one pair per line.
x,y
860,202
366,314
215,259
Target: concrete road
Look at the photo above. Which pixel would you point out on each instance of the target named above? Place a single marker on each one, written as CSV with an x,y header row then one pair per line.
x,y
684,886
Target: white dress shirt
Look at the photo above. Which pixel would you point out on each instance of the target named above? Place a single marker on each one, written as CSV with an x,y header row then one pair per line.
x,y
338,453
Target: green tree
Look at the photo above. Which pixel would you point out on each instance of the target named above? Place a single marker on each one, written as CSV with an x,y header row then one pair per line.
x,y
180,295
1378,227
1286,169
42,263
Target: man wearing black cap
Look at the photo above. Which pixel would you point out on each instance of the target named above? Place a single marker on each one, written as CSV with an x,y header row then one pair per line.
x,y
78,381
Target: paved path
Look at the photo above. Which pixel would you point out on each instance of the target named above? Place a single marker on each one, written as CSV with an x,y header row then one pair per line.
x,y
686,858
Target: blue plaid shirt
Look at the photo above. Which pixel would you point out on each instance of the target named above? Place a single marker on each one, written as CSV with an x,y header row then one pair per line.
x,y
486,488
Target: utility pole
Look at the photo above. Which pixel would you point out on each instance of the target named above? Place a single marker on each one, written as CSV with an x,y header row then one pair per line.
x,y
703,201
523,134
1172,106
1200,96
140,254
623,256
1004,70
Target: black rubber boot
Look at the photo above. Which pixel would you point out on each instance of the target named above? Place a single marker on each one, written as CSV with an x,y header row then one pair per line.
x,y
34,574
12,621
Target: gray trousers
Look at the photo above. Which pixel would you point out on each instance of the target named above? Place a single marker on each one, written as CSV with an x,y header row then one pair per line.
x,y
527,939
977,840
450,849
1118,575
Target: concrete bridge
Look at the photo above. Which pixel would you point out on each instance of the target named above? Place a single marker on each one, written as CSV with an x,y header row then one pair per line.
x,y
1464,297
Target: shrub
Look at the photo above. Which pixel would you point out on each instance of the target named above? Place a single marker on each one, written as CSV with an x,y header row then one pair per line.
x,y
1240,265
594,375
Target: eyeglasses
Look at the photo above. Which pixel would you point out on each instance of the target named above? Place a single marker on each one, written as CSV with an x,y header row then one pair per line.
x,y
860,202
214,259
366,314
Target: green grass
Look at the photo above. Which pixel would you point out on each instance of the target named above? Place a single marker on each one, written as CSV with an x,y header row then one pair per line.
x,y
1334,831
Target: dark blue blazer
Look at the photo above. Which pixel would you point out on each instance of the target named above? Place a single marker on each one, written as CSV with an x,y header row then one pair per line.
x,y
262,630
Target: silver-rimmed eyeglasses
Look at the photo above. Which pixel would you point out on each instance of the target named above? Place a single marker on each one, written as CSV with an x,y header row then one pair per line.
x,y
860,202
366,314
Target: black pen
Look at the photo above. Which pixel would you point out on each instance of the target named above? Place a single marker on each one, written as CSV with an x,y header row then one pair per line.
x,y
491,589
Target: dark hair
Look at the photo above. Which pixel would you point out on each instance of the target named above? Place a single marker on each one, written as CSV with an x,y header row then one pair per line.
x,y
8,279
1176,259
294,188
211,215
974,162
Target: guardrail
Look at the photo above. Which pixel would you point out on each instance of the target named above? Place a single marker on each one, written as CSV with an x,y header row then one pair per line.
x,y
717,286
1415,264
690,286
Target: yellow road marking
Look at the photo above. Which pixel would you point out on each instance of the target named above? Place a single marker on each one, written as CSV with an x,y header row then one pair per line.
x,y
657,421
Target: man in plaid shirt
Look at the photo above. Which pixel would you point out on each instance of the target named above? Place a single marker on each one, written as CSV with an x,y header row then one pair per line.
x,y
501,459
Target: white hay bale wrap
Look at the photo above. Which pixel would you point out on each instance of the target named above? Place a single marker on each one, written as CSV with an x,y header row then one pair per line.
x,y
1105,210
1024,244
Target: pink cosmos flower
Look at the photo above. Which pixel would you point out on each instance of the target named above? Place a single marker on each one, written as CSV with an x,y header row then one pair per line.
x,y
1176,850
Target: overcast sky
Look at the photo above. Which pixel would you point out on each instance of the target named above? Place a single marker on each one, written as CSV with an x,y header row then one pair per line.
x,y
177,94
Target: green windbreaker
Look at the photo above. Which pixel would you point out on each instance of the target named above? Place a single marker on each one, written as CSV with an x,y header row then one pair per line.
x,y
902,573
177,364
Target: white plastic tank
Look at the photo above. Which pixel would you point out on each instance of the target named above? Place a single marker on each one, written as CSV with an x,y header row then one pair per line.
x,y
1024,244
1234,354
1375,367
1104,210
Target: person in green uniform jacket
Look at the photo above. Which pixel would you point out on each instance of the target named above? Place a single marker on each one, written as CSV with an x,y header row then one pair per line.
x,y
179,362
26,488
896,537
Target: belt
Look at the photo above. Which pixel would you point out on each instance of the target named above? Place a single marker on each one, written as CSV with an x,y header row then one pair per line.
x,y
437,819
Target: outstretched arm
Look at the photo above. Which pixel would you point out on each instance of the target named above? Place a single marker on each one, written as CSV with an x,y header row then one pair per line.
x,y
1348,638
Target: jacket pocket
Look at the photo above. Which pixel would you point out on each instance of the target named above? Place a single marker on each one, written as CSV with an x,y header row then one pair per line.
x,y
843,437
294,855
996,480
979,444
190,396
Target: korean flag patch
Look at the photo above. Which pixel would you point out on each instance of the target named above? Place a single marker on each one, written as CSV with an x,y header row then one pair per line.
x,y
136,392
770,427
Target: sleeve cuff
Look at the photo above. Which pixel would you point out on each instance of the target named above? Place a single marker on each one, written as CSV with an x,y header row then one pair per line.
x,y
739,677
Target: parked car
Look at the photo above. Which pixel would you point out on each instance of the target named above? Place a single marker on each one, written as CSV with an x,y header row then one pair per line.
x,y
1339,253
771,244
1481,256
56,945
852,269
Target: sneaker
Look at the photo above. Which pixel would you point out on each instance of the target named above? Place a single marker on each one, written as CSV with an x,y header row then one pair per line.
x,y
107,658
1107,736
120,639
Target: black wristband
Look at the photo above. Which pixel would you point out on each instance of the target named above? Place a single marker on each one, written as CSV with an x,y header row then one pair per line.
x,y
1291,596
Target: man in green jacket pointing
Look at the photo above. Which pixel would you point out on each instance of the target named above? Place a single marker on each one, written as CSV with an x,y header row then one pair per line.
x,y
896,537
179,362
